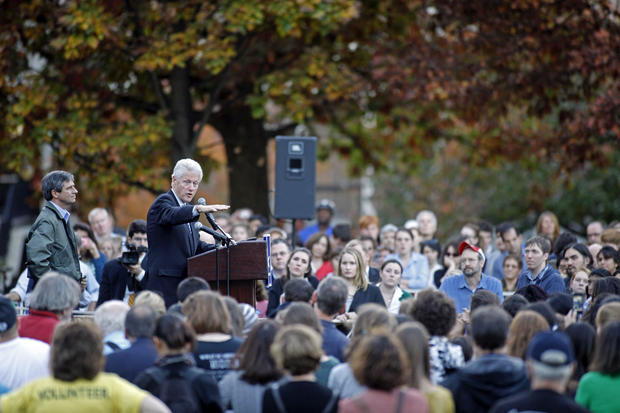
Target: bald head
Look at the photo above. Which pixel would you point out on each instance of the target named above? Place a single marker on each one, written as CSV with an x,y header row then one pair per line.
x,y
594,230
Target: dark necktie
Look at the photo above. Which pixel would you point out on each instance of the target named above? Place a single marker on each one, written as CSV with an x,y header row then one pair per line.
x,y
191,237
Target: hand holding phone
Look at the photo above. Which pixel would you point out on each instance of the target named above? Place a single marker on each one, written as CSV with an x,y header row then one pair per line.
x,y
578,300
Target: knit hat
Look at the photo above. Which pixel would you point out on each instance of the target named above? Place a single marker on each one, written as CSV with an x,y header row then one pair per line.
x,y
249,313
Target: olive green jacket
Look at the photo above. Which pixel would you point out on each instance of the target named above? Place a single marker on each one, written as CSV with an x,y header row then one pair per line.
x,y
51,245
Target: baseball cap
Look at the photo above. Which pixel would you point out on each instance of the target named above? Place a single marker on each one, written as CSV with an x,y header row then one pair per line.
x,y
326,204
551,348
8,316
411,224
464,245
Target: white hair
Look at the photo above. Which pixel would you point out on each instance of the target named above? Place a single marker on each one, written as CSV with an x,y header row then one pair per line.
x,y
110,316
545,372
428,212
184,166
388,228
95,211
55,292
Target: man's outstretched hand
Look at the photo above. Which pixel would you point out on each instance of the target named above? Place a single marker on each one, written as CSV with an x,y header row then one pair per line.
x,y
211,208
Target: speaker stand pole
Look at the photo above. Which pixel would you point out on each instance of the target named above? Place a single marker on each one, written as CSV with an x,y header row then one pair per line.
x,y
293,235
217,266
227,267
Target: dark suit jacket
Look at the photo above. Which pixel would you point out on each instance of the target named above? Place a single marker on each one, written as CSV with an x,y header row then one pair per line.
x,y
132,361
371,295
171,243
373,275
114,279
276,290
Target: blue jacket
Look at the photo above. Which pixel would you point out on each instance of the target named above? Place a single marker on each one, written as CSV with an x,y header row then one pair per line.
x,y
132,361
308,231
549,279
334,341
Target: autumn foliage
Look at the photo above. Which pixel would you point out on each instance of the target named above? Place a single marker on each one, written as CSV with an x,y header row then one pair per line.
x,y
116,91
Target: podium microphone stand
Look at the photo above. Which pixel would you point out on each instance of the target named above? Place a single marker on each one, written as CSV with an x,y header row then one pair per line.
x,y
245,263
223,244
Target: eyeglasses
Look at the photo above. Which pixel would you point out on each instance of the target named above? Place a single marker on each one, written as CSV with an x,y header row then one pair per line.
x,y
188,183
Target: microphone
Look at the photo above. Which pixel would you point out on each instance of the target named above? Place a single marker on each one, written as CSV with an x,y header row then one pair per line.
x,y
213,223
218,237
201,201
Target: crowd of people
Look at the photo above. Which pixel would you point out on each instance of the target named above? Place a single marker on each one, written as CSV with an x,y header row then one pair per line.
x,y
357,318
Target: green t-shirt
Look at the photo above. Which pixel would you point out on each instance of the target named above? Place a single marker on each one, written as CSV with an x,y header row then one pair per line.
x,y
322,373
105,393
599,392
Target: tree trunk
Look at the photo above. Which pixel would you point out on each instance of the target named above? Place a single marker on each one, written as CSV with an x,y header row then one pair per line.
x,y
246,149
181,111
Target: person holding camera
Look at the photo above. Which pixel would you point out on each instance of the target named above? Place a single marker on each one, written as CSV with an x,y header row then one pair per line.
x,y
123,277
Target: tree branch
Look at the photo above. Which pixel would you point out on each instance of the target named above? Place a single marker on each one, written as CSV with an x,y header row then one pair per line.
x,y
161,98
357,140
87,162
133,103
281,130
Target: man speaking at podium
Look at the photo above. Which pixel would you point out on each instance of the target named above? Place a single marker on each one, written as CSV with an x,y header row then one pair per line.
x,y
170,230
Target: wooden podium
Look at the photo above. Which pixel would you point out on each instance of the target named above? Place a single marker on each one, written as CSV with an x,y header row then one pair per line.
x,y
248,263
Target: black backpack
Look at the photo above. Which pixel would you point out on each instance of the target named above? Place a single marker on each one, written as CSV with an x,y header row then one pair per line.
x,y
175,388
275,389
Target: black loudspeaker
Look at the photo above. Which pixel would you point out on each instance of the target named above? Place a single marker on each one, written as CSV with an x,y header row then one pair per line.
x,y
295,177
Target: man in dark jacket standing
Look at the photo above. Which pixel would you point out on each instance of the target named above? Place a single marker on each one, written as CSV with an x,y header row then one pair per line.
x,y
170,229
492,375
51,244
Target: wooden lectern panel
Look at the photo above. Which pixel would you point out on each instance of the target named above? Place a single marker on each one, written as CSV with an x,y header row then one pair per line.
x,y
248,263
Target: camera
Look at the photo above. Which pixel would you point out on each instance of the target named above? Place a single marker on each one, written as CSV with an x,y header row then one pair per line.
x,y
132,255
